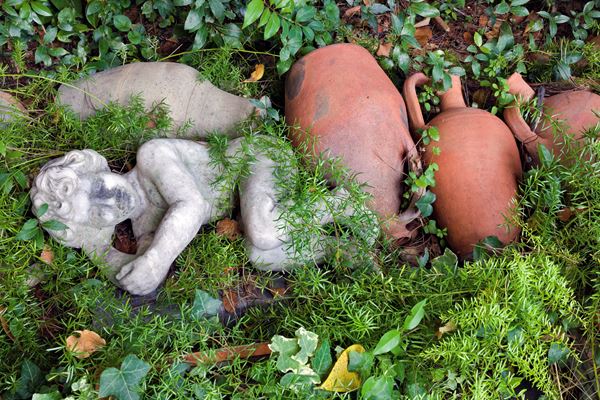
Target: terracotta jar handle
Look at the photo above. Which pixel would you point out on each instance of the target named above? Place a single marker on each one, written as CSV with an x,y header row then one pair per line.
x,y
453,97
415,115
512,114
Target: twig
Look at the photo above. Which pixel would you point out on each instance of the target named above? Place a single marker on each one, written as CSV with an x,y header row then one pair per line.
x,y
228,354
438,20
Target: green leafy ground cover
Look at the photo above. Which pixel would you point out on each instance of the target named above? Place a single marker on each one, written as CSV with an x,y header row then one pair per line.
x,y
521,321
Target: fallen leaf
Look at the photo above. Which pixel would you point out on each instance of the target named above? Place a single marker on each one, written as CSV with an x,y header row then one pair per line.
x,y
257,74
480,96
278,292
367,2
230,301
352,11
423,35
483,20
85,344
228,228
468,37
228,354
422,23
340,379
441,23
449,327
384,49
47,255
4,324
495,30
565,214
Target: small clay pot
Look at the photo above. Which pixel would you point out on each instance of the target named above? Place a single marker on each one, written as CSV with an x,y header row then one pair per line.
x,y
479,168
572,110
9,107
342,104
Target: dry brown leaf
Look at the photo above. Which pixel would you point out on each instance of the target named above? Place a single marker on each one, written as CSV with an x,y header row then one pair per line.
x,y
480,96
384,49
257,74
449,327
423,22
483,20
85,344
352,11
423,35
495,30
468,37
230,301
228,228
228,354
4,324
47,255
278,292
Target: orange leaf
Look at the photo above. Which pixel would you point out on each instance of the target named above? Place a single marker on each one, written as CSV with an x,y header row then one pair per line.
x,y
258,73
384,49
85,344
352,11
423,35
228,354
47,255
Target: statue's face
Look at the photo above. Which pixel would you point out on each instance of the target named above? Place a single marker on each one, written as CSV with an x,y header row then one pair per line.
x,y
103,199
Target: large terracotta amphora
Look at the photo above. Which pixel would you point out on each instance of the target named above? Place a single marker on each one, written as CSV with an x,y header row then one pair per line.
x,y
479,168
565,118
342,104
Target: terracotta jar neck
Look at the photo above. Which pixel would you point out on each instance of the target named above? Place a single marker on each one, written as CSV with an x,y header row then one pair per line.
x,y
453,98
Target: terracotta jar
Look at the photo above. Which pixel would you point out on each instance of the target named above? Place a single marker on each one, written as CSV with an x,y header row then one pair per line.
x,y
479,168
573,111
341,103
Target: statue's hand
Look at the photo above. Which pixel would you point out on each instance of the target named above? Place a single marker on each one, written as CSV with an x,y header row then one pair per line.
x,y
142,275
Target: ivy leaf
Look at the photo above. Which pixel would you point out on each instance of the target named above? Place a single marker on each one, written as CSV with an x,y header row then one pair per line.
x,y
416,315
204,305
123,383
424,204
388,341
30,380
308,344
255,8
122,22
322,361
446,261
558,352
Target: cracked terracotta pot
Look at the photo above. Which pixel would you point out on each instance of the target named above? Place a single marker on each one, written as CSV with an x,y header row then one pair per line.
x,y
573,110
343,104
479,168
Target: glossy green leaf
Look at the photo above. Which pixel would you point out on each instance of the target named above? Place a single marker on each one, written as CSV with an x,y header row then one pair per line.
x,y
122,22
253,12
193,21
272,26
41,9
557,353
416,315
54,225
377,388
387,342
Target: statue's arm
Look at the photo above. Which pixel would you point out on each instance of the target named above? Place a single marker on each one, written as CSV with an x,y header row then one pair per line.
x,y
188,211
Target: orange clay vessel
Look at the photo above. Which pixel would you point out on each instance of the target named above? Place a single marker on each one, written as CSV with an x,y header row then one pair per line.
x,y
572,110
341,102
479,168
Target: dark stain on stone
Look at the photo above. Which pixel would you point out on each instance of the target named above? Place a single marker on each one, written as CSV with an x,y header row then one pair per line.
x,y
321,106
294,80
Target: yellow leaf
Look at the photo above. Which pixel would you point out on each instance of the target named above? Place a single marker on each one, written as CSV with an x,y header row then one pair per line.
x,y
85,344
258,73
449,327
340,379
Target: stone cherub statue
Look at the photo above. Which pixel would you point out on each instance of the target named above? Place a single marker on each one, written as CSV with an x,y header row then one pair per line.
x,y
173,190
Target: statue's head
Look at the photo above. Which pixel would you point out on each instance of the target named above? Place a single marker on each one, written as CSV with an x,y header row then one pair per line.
x,y
83,194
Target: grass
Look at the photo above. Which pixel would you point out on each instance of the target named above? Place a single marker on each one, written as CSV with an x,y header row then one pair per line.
x,y
510,309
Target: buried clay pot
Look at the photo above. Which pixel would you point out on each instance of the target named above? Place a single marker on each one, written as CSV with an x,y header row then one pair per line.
x,y
342,104
9,108
208,108
572,111
479,168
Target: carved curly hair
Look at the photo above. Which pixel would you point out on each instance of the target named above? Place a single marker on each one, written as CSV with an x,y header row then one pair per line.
x,y
56,183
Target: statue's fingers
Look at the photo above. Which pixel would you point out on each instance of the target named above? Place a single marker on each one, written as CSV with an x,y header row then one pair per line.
x,y
124,271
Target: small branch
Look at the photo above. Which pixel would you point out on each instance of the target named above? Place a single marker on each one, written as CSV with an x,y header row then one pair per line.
x,y
228,354
442,24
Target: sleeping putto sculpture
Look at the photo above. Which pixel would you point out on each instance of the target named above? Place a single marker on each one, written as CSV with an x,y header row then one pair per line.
x,y
172,191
